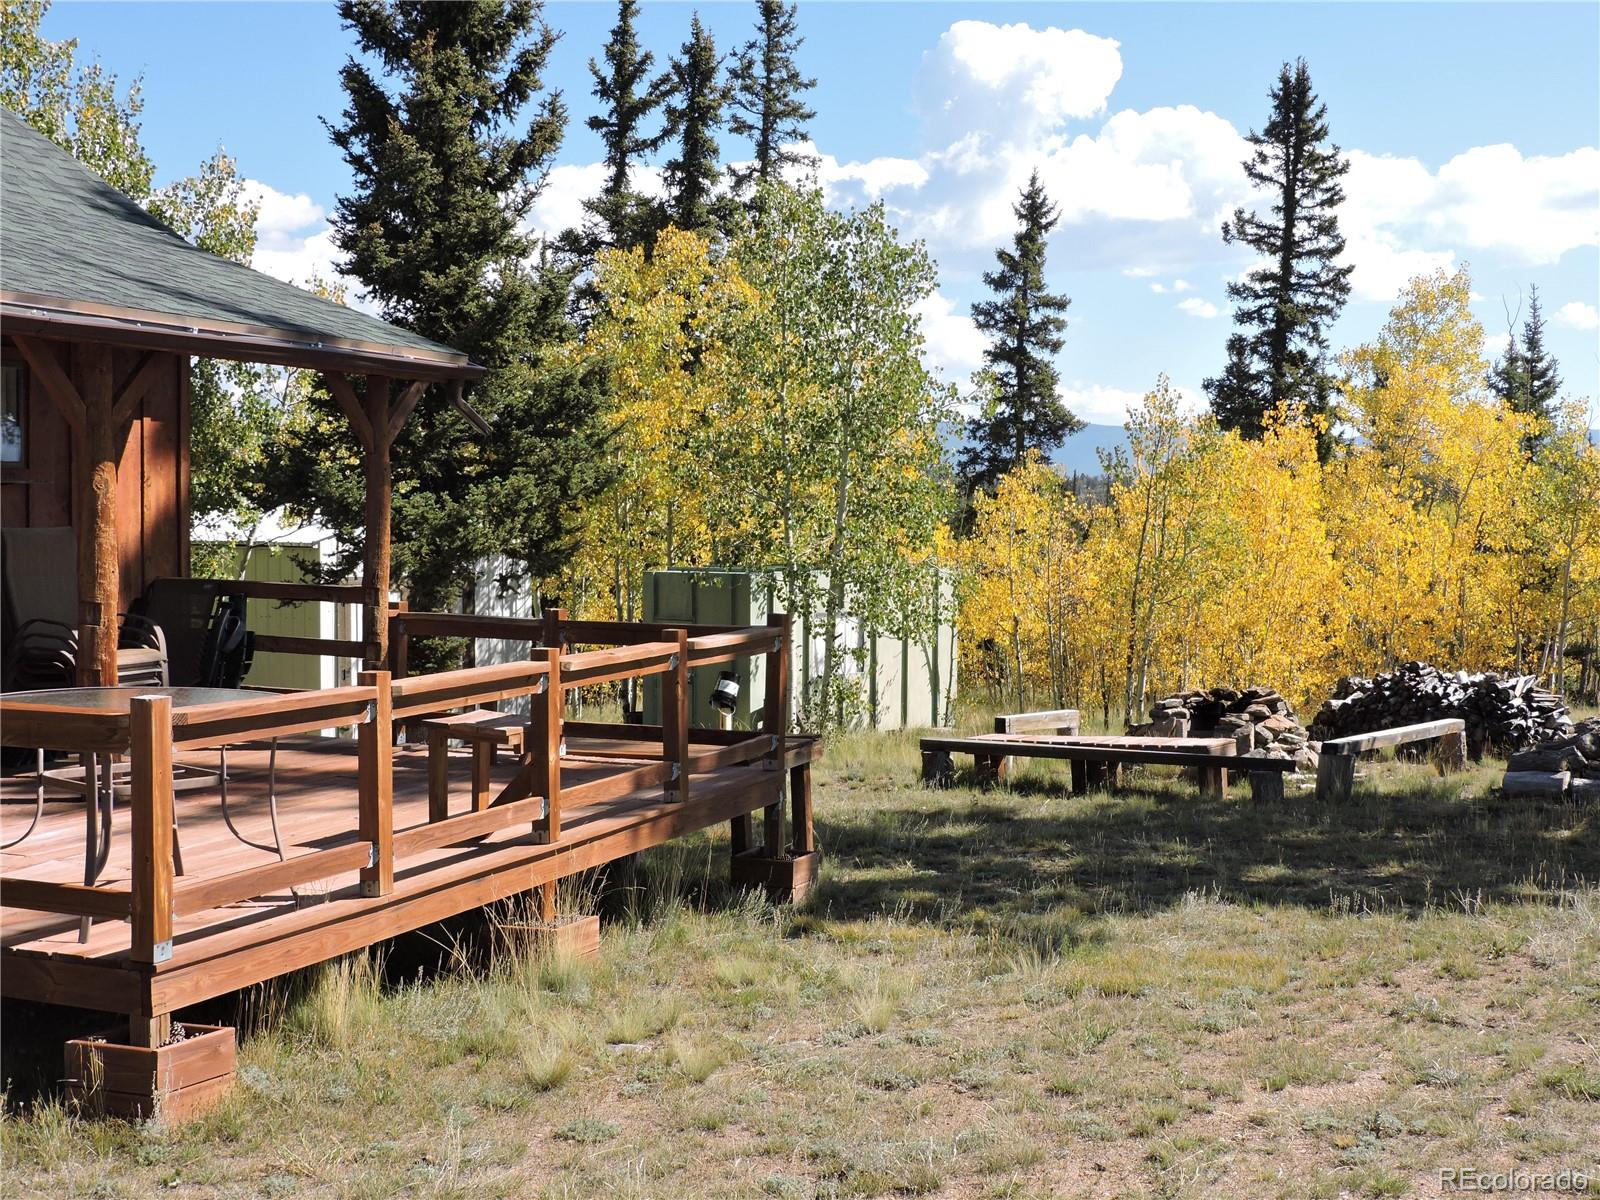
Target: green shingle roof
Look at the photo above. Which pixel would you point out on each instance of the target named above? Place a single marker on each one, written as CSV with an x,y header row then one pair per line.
x,y
77,253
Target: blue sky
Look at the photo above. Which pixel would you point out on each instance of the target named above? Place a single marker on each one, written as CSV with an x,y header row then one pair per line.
x,y
1472,130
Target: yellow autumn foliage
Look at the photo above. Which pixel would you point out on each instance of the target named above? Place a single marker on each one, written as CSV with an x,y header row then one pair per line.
x,y
1431,534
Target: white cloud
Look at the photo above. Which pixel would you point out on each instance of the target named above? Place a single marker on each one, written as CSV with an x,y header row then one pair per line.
x,y
1401,219
1110,406
1177,287
951,343
294,241
1196,307
1100,405
1575,314
1531,209
1009,83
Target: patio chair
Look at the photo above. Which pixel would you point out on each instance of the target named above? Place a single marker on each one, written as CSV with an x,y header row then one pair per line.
x,y
207,642
40,568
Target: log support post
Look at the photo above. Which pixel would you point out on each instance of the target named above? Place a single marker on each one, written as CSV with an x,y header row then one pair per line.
x,y
1336,777
375,786
1451,753
377,418
1080,776
1214,783
97,423
1266,787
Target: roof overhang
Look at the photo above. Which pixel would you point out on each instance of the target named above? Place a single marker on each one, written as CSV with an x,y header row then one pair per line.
x,y
55,317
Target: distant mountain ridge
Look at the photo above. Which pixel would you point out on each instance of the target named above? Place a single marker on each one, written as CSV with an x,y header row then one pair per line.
x,y
1078,452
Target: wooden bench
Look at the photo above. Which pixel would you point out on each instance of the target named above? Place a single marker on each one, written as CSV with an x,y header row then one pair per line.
x,y
482,729
1336,765
1061,721
1095,759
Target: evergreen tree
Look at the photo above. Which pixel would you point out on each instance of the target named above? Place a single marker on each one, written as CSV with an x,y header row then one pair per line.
x,y
1527,377
694,119
1284,308
766,102
1024,323
628,97
446,166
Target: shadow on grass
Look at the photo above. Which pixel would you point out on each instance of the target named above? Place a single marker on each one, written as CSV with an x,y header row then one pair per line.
x,y
1407,841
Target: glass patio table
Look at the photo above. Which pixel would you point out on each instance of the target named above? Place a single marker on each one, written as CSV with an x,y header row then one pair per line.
x,y
97,778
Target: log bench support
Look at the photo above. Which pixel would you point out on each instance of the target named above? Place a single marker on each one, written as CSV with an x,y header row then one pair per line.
x,y
1336,762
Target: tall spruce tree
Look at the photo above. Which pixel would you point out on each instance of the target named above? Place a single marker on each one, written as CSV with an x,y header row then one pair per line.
x,y
1283,310
446,166
628,96
693,118
1024,323
1527,377
766,102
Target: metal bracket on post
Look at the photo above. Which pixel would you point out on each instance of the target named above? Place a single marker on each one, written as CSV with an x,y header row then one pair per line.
x,y
161,951
372,854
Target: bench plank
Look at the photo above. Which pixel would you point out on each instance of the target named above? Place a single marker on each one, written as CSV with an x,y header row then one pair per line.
x,y
1079,749
1360,743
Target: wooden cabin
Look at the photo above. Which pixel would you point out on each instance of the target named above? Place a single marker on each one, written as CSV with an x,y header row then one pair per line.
x,y
102,308
128,894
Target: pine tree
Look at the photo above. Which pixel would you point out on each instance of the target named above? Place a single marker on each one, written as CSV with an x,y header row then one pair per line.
x,y
446,166
1284,308
1540,367
694,119
767,107
628,97
1527,377
1024,323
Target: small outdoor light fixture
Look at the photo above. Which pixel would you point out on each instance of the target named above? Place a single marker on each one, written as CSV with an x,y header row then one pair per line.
x,y
725,696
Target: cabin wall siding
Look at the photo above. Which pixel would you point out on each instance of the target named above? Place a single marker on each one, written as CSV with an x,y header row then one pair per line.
x,y
152,473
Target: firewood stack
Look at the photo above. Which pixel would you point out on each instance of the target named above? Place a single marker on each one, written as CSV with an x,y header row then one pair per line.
x,y
1503,714
1257,718
1566,765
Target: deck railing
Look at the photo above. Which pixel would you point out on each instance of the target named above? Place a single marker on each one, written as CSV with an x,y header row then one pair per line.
x,y
153,730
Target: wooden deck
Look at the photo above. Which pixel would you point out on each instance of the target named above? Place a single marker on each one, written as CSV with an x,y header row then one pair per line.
x,y
368,857
219,949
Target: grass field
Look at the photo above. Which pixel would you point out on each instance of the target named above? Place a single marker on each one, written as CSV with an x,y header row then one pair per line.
x,y
1009,994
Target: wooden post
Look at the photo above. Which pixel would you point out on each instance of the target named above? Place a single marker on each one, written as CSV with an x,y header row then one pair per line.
x,y
1214,783
1451,753
1336,777
399,641
805,838
675,716
99,554
1002,767
554,618
1266,787
375,760
438,774
742,833
377,556
545,745
776,722
150,743
1080,776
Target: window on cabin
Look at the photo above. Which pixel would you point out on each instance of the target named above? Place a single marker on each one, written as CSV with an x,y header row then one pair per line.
x,y
12,414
